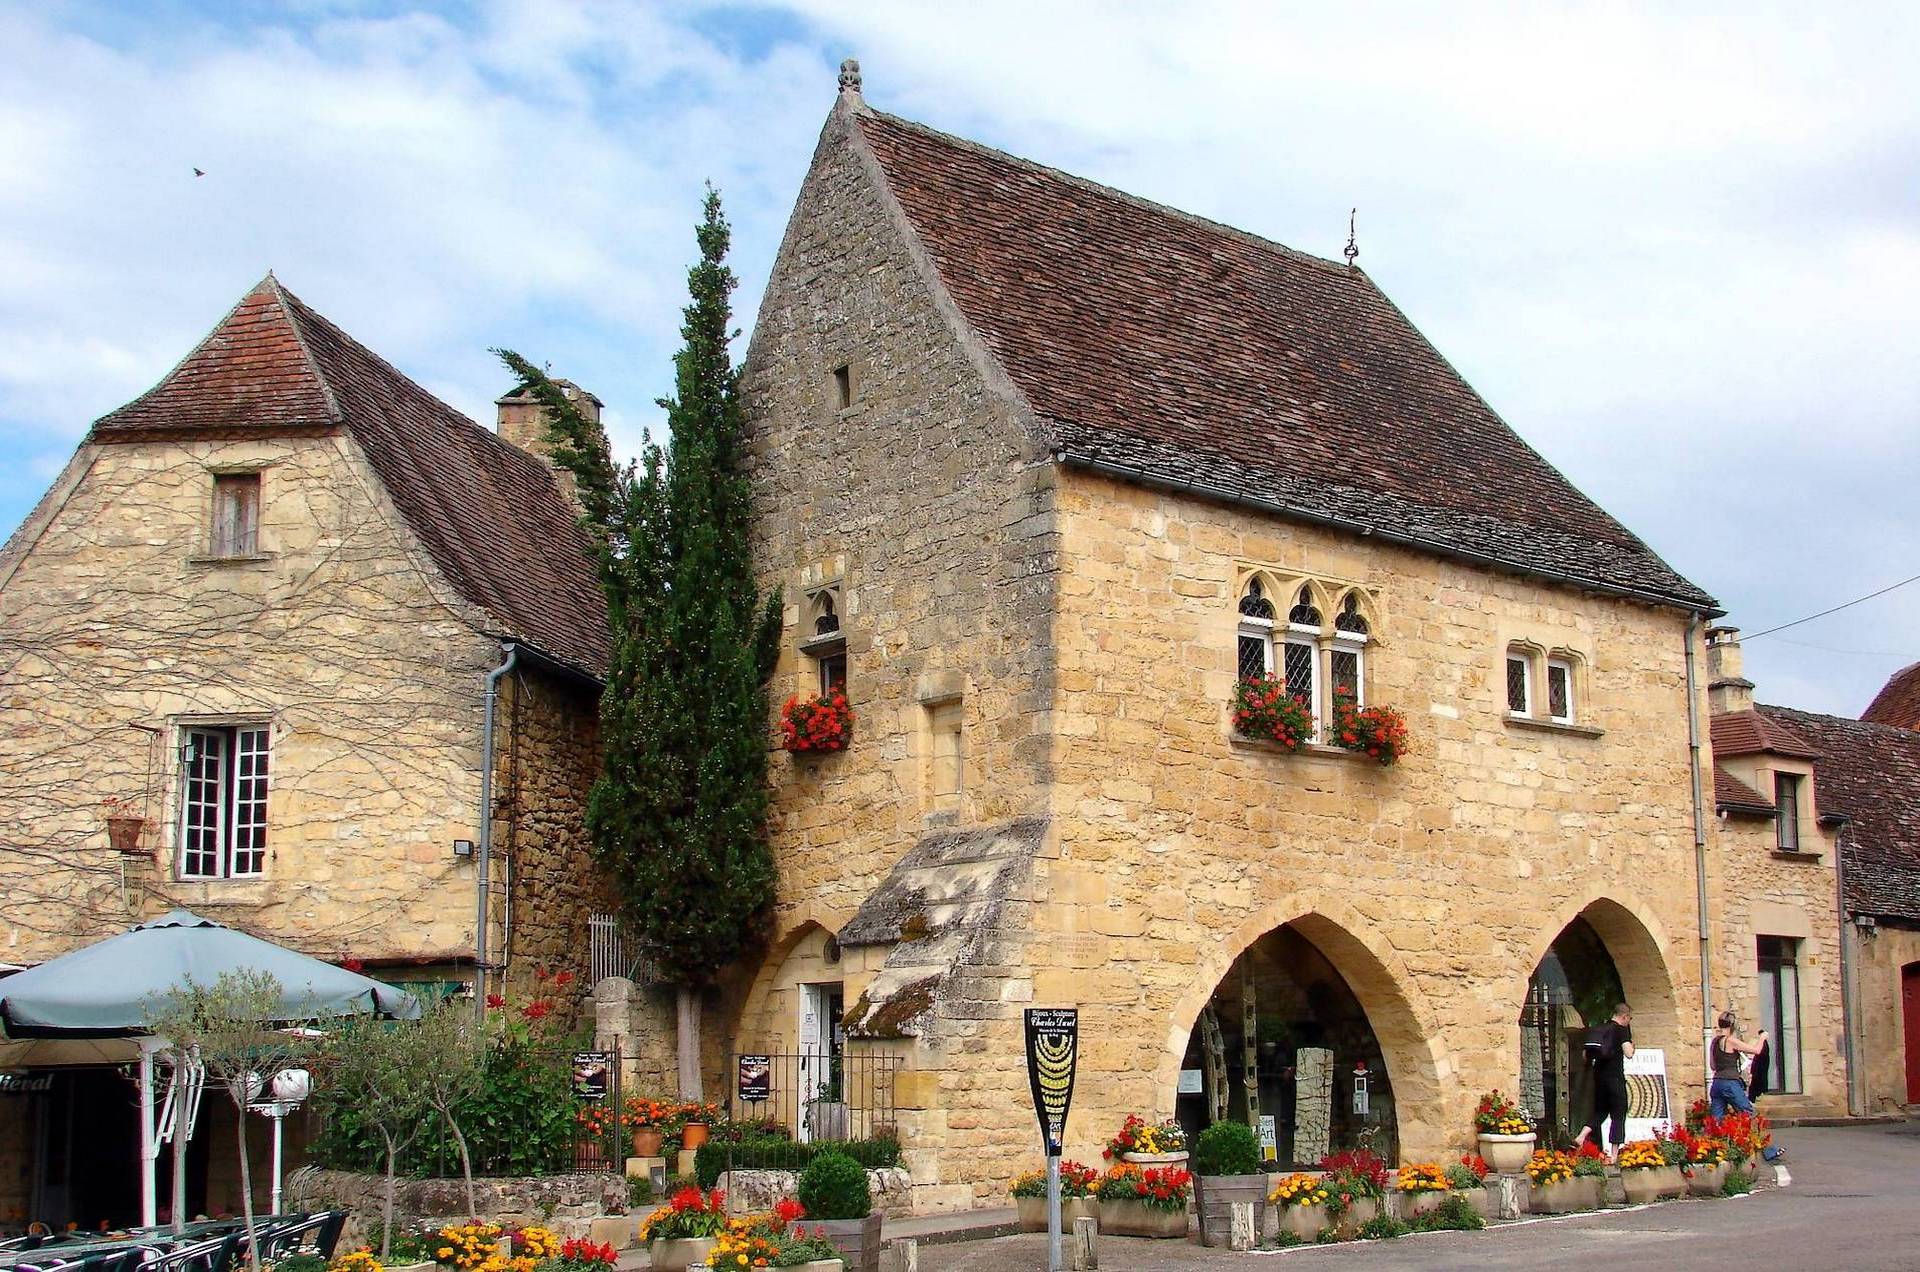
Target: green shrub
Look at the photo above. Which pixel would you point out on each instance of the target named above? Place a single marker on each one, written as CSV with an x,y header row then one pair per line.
x,y
834,1186
1282,1240
1226,1148
639,1191
1383,1228
1738,1183
1452,1215
1329,1235
780,1153
300,1263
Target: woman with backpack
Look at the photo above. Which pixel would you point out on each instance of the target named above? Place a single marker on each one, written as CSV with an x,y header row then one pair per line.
x,y
1608,1045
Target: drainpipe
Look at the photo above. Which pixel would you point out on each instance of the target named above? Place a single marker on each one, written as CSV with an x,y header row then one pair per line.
x,y
1856,1101
483,874
1699,837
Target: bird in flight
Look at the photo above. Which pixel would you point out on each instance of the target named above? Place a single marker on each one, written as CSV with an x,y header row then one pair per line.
x,y
198,173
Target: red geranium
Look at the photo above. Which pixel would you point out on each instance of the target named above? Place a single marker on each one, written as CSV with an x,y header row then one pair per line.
x,y
823,722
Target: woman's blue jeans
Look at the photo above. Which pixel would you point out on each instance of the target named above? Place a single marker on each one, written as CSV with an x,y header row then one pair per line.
x,y
1731,1092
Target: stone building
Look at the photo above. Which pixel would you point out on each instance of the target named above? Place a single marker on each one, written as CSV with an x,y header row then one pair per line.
x,y
1044,470
259,626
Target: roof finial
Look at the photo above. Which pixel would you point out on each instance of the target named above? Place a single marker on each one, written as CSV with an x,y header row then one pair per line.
x,y
850,76
1352,250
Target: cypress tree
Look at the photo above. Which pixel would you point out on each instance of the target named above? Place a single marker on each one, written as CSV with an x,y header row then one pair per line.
x,y
678,813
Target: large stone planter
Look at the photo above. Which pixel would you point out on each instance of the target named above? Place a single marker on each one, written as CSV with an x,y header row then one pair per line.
x,y
1420,1203
1707,1181
1482,1200
1582,1192
680,1253
1130,1218
1304,1222
1362,1211
1033,1212
1213,1197
857,1240
1154,1159
1507,1154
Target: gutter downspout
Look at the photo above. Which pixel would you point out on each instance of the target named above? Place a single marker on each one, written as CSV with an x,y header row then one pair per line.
x,y
1699,838
1856,1101
483,873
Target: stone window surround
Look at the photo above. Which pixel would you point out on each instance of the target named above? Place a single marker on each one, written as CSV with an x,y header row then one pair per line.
x,y
1328,594
822,584
173,786
206,556
1539,658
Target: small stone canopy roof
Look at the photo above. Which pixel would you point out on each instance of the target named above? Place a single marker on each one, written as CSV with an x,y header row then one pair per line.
x,y
1898,702
1753,733
1174,351
1731,795
949,908
490,515
1870,773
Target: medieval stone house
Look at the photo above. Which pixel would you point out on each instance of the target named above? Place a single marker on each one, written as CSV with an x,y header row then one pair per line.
x,y
1043,470
292,618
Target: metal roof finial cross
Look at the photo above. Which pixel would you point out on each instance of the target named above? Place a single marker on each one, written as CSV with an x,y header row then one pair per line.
x,y
1352,250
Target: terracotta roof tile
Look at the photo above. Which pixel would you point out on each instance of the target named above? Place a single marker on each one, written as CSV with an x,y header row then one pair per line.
x,y
490,514
1870,772
1731,795
1751,733
1898,702
1187,352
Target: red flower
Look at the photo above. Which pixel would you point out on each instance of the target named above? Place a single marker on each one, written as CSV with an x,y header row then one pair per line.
x,y
786,1210
495,1002
538,1009
563,979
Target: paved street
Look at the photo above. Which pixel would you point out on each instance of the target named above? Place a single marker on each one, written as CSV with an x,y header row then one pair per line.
x,y
1854,1204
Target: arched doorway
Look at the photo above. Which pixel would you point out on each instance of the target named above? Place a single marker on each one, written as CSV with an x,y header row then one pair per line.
x,y
1603,956
1307,1037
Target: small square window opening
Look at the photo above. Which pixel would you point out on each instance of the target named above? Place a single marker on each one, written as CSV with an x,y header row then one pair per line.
x,y
842,387
236,514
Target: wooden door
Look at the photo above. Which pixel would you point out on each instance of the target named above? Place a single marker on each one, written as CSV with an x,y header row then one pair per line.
x,y
1910,1005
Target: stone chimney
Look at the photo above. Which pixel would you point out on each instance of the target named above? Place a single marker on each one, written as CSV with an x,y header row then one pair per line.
x,y
1727,689
521,420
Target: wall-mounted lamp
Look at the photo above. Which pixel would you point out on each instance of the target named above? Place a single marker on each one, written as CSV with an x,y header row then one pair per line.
x,y
463,847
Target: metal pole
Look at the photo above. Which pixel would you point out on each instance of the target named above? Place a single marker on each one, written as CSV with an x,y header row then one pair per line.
x,y
181,1129
279,1115
483,869
1053,1215
1699,851
149,1141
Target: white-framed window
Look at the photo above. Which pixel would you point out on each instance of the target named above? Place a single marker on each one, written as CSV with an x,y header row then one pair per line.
x,y
1255,656
1346,661
1560,690
223,801
1519,683
1300,654
1786,806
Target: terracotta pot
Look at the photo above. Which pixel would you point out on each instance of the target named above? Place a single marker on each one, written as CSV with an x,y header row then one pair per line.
x,y
1419,1203
647,1141
1304,1222
680,1253
1565,1197
1033,1212
1128,1217
1708,1180
1507,1154
693,1135
124,833
1213,1197
857,1240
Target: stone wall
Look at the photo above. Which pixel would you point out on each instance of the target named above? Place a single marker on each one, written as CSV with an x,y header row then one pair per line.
x,y
368,671
1881,1026
564,1203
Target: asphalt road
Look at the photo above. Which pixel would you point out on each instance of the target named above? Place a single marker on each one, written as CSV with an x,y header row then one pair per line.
x,y
1853,1205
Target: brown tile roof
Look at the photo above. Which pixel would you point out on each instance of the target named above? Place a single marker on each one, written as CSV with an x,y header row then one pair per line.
x,y
1870,772
491,515
1751,733
1731,795
1179,351
1898,702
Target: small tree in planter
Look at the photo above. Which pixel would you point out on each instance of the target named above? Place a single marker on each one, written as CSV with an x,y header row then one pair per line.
x,y
1263,709
446,1033
1226,1166
834,1192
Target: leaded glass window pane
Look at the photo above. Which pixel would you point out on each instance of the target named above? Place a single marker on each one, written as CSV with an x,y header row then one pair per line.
x,y
1559,692
1304,610
1253,656
1519,697
1300,671
1349,619
1346,673
1255,603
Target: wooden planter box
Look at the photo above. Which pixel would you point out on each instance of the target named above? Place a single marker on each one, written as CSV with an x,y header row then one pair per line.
x,y
1304,1222
857,1240
1213,1197
1033,1212
1707,1181
680,1253
1565,1197
1507,1154
1131,1218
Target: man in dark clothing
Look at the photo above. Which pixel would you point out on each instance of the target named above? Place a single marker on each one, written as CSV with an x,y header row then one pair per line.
x,y
1608,1046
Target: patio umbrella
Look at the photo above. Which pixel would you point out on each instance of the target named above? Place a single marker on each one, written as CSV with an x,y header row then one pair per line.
x,y
108,990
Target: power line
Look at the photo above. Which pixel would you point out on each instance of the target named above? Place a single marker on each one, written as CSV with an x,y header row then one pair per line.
x,y
1835,610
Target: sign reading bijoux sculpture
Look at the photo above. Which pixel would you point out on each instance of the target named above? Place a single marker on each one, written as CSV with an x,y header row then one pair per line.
x,y
1053,1047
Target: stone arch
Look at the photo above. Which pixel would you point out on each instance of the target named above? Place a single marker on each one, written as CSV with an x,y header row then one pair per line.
x,y
1635,940
803,922
1399,1017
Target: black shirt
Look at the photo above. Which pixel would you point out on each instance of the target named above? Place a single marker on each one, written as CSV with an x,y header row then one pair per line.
x,y
1605,1047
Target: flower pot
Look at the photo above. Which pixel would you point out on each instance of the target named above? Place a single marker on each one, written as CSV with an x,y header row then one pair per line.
x,y
1213,1197
1304,1222
124,833
1579,1193
1033,1212
1154,1159
412,1267
1670,1180
1481,1199
857,1240
1419,1203
1507,1154
1359,1212
1707,1181
677,1254
1641,1186
1131,1217
693,1135
647,1141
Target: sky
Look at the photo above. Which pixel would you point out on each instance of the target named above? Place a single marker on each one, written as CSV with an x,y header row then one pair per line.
x,y
1675,246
